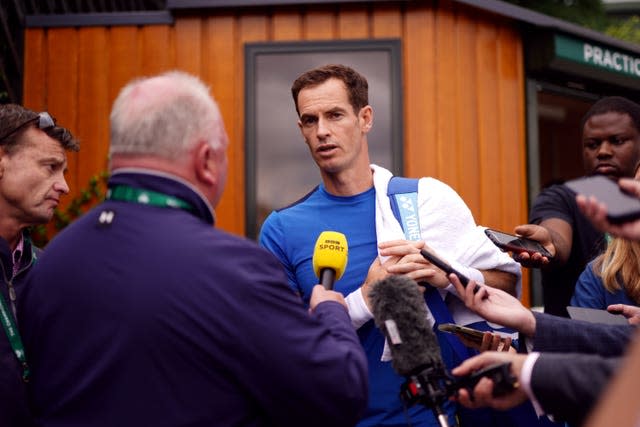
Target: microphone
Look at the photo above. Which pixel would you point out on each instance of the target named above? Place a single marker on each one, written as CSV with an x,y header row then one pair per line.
x,y
330,257
399,311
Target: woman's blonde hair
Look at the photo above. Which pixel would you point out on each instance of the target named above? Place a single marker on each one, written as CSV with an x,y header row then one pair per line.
x,y
619,267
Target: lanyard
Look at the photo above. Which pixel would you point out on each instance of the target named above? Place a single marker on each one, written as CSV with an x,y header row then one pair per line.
x,y
14,337
147,197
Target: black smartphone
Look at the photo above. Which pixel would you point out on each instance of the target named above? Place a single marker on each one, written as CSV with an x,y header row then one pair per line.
x,y
471,334
500,373
621,207
444,266
512,243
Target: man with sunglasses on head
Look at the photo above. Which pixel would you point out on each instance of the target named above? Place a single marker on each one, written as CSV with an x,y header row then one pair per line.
x,y
32,164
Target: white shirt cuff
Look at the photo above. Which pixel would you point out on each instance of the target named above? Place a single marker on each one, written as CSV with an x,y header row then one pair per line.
x,y
525,381
358,310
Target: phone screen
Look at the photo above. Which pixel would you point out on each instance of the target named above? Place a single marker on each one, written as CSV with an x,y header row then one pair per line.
x,y
621,207
513,243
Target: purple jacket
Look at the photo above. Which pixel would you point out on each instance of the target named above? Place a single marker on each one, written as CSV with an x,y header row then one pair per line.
x,y
148,315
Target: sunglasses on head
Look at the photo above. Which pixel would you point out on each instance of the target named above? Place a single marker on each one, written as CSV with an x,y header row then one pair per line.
x,y
44,119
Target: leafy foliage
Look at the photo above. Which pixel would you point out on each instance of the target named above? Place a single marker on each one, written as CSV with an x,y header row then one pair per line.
x,y
587,13
628,29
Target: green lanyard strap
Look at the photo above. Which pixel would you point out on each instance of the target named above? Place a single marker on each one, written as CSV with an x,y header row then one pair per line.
x,y
147,197
608,238
14,337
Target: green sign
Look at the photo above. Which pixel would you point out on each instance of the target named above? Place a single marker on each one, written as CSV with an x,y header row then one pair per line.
x,y
597,56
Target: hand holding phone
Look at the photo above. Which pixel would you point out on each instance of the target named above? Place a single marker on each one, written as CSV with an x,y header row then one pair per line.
x,y
470,334
621,207
475,339
517,244
504,382
444,266
593,315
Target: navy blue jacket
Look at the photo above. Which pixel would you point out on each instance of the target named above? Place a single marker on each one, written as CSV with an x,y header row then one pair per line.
x,y
14,410
578,360
561,335
142,315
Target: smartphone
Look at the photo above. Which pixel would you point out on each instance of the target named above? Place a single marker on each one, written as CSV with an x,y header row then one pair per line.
x,y
444,266
512,243
621,207
500,373
469,333
594,315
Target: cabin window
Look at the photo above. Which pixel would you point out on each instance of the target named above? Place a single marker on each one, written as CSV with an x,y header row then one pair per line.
x,y
279,168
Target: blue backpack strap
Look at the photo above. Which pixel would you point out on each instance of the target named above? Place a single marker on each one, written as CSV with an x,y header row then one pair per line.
x,y
403,196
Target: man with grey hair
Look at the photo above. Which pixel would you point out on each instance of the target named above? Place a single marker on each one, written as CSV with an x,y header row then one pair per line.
x,y
142,313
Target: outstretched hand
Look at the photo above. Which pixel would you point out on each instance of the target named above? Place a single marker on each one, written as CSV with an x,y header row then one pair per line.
x,y
496,306
319,295
483,394
542,236
491,341
631,312
596,212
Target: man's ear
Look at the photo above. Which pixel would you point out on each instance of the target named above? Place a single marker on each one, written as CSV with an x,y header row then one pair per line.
x,y
3,159
205,163
366,115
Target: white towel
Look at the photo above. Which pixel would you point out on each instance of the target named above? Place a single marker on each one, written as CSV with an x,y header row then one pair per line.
x,y
447,226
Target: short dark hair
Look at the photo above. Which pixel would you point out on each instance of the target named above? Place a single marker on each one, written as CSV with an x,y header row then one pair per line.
x,y
15,120
614,104
356,84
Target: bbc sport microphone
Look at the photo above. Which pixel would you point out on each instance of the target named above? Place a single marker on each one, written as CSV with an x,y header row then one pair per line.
x,y
399,311
330,257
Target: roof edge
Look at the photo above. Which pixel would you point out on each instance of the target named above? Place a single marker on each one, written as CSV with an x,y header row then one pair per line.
x,y
541,20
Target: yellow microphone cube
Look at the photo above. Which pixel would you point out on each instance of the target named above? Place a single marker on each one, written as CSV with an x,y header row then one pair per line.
x,y
331,252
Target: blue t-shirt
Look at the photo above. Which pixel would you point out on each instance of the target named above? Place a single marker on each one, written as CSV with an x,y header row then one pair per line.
x,y
590,292
291,234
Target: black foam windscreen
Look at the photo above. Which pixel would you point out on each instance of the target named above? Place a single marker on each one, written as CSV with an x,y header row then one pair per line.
x,y
399,311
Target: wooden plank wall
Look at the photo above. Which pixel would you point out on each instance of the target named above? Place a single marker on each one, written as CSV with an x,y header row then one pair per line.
x,y
463,87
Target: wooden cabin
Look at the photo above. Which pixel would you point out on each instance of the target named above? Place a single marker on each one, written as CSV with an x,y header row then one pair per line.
x,y
482,95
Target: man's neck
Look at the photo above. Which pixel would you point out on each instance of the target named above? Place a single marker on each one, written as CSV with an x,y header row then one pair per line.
x,y
11,233
348,183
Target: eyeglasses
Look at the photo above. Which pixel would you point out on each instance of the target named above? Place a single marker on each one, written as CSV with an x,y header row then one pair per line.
x,y
45,121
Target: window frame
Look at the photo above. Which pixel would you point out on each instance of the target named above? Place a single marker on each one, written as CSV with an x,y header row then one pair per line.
x,y
253,51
